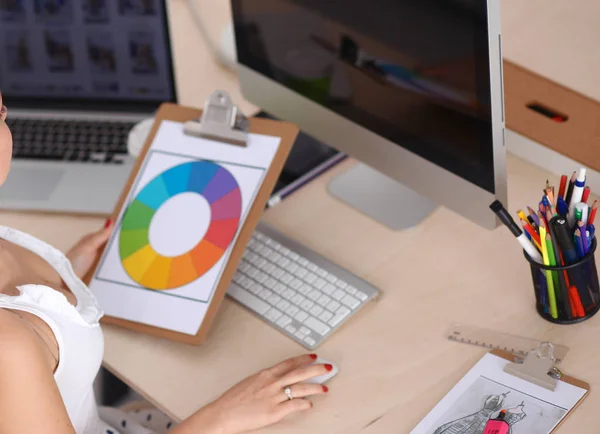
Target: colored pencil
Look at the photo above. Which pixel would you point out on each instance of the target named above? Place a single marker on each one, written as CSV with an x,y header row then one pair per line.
x,y
576,302
535,237
592,216
548,273
583,235
586,194
550,196
563,186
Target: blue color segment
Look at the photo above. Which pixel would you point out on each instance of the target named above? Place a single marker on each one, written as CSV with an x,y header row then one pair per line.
x,y
201,174
177,178
154,194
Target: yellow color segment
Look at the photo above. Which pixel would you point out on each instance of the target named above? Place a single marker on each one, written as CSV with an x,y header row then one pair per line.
x,y
138,263
182,271
157,275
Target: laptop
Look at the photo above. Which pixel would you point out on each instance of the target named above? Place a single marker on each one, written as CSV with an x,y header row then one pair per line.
x,y
76,75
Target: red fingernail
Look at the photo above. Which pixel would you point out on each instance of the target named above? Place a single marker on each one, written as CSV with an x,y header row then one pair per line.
x,y
328,367
107,224
325,389
313,356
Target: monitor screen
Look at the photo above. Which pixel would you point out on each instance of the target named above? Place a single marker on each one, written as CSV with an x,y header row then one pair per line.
x,y
415,72
107,51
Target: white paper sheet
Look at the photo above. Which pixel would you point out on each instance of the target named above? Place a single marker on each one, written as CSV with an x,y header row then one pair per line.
x,y
486,390
179,223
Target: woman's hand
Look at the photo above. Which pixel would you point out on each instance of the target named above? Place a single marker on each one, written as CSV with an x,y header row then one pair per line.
x,y
259,400
83,254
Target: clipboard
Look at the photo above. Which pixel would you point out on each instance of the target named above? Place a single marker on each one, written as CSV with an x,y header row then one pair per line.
x,y
492,385
564,378
225,126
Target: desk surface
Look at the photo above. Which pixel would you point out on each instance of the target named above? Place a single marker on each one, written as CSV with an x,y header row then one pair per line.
x,y
447,270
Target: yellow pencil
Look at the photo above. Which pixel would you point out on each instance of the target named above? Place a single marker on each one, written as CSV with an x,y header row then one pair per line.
x,y
549,281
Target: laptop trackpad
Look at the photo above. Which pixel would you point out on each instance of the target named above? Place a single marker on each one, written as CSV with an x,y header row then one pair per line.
x,y
35,184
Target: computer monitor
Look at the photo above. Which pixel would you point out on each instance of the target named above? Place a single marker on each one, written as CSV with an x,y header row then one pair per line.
x,y
411,88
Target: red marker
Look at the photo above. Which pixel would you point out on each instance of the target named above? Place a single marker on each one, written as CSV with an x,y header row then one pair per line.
x,y
563,186
586,194
498,425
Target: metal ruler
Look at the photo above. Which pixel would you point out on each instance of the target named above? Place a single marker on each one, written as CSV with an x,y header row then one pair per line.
x,y
494,340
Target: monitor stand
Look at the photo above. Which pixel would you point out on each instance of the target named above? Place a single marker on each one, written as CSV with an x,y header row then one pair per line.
x,y
381,198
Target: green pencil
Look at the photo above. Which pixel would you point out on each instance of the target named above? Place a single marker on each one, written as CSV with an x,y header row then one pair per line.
x,y
549,276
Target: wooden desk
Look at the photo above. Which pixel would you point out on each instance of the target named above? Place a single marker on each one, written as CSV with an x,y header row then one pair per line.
x,y
395,363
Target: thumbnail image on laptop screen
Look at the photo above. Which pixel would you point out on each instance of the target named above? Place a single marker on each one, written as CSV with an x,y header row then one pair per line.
x,y
85,50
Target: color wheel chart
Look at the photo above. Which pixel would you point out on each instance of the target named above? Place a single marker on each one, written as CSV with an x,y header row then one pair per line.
x,y
153,270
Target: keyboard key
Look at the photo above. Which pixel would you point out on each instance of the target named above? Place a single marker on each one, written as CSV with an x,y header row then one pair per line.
x,y
279,288
246,283
292,255
305,289
301,272
309,340
323,300
296,283
261,277
317,326
282,305
314,295
316,310
288,294
255,288
286,278
264,293
300,316
292,310
306,304
283,321
343,310
341,284
329,289
290,329
284,250
291,267
300,335
283,262
248,300
302,261
274,299
273,314
336,320
333,306
270,268
270,283
260,236
321,272
304,330
331,278
325,316
297,299
338,294
312,267
320,284
350,301
277,273
310,278
361,295
350,290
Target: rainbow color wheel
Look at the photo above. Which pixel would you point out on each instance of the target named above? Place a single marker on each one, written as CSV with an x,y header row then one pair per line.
x,y
155,271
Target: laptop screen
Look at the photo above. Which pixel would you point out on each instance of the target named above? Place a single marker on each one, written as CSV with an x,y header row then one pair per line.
x,y
114,54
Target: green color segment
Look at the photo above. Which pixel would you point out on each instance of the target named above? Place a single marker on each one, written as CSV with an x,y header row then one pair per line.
x,y
132,240
137,216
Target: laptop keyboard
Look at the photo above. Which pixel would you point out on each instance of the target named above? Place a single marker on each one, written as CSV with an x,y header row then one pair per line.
x,y
68,140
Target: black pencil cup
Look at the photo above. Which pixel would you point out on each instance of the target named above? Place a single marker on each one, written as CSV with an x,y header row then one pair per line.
x,y
576,289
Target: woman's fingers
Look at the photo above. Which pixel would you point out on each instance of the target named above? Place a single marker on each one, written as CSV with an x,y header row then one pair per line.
x,y
293,406
304,373
289,365
302,390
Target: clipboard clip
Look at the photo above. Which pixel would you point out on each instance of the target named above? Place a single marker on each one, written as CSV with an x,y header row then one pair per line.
x,y
539,367
221,120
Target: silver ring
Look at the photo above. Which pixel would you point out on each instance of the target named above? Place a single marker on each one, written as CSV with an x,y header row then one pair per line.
x,y
288,393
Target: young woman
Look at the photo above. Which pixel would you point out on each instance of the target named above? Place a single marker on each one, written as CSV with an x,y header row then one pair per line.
x,y
51,349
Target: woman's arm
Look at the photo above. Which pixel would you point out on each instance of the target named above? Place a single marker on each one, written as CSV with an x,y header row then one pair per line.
x,y
30,401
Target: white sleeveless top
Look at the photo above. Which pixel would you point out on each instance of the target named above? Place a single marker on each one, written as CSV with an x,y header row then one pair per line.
x,y
76,328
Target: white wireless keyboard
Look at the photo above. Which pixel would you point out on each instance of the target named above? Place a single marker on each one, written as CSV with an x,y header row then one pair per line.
x,y
302,294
